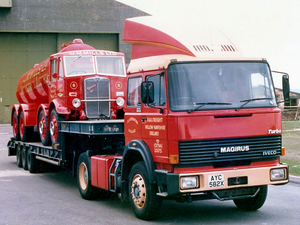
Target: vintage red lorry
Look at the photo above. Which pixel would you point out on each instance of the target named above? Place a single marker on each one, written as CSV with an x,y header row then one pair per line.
x,y
77,83
201,122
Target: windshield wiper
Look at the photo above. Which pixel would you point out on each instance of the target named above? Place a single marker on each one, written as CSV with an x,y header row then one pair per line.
x,y
251,100
201,104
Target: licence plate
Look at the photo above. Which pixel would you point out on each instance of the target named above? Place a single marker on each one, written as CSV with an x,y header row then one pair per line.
x,y
216,180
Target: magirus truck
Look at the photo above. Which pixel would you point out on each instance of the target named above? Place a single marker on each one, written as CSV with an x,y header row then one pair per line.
x,y
192,119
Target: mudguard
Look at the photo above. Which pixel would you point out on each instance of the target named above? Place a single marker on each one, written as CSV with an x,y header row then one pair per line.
x,y
29,112
135,151
60,109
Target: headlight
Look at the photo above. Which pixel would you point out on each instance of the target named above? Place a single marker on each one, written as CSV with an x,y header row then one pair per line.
x,y
76,102
278,174
120,101
189,182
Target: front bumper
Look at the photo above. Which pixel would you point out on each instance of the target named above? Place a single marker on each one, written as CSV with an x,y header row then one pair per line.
x,y
171,183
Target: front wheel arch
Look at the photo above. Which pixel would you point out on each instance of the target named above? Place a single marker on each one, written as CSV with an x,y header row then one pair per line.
x,y
131,156
140,152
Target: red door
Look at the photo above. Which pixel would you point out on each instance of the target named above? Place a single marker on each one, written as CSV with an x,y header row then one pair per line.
x,y
154,120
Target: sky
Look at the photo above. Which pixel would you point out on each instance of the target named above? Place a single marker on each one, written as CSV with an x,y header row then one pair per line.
x,y
263,28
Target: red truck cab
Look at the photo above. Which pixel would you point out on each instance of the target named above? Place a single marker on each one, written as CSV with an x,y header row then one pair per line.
x,y
207,115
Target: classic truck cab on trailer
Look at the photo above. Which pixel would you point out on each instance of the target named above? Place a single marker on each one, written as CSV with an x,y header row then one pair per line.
x,y
77,83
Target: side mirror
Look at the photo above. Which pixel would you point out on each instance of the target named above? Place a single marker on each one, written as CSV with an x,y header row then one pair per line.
x,y
286,87
55,75
147,92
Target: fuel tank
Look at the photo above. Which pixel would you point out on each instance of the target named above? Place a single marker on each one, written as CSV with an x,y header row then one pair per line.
x,y
33,86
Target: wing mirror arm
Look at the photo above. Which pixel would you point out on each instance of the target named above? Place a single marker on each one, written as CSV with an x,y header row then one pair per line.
x,y
285,87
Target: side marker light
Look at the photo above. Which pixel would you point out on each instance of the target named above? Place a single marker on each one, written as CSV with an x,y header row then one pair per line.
x,y
283,151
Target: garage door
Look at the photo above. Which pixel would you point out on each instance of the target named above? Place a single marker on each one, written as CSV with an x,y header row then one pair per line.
x,y
20,51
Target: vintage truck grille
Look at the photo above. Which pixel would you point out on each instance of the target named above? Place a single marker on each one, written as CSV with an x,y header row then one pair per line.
x,y
229,152
96,96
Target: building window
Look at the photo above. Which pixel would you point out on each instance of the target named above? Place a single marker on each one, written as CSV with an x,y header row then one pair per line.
x,y
293,101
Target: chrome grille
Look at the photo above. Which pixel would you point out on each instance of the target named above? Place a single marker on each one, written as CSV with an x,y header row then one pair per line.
x,y
96,97
209,151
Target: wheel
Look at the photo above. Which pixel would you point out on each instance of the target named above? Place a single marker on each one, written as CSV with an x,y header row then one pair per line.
x,y
55,118
43,131
24,158
86,189
143,199
16,129
19,156
252,204
25,132
32,163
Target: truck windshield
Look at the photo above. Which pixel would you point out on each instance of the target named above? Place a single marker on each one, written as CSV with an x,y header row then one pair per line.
x,y
219,85
79,65
85,65
113,65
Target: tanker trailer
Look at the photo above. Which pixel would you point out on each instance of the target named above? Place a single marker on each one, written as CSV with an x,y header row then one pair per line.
x,y
77,83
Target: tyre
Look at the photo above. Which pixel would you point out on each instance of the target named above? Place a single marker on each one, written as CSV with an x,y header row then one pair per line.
x,y
19,156
24,158
55,118
252,204
16,129
87,191
43,131
25,132
143,199
32,163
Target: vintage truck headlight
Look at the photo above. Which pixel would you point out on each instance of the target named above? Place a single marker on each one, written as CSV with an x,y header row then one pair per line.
x,y
278,174
120,101
189,182
76,102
